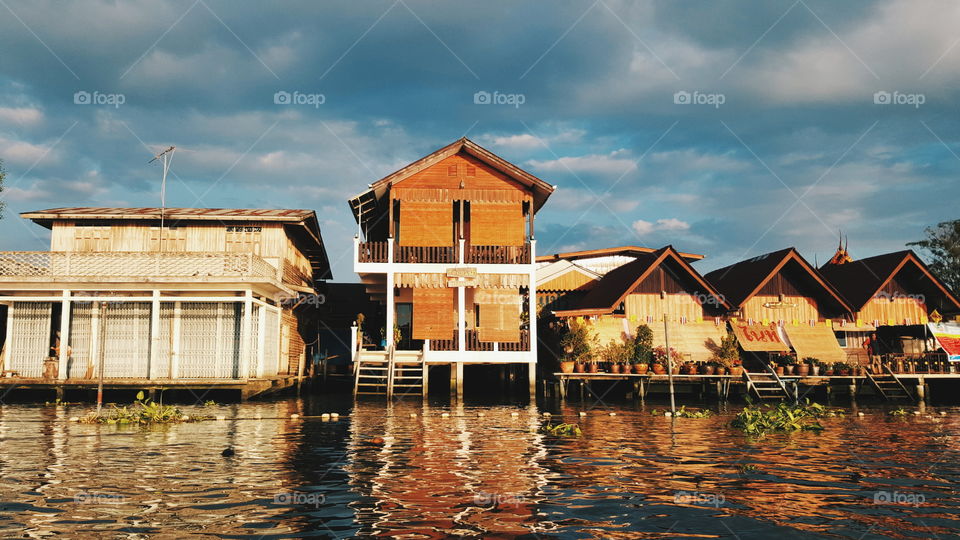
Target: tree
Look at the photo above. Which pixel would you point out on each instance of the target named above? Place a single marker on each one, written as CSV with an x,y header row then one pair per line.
x,y
942,251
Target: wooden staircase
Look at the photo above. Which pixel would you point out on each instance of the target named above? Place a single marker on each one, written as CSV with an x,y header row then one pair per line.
x,y
889,386
766,386
389,373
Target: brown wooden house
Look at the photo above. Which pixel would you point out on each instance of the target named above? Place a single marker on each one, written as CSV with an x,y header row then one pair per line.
x,y
892,295
654,285
782,292
448,247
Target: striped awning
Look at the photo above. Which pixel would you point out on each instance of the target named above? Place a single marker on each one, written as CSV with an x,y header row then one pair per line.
x,y
486,281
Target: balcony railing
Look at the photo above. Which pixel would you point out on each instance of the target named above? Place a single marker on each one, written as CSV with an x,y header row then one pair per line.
x,y
498,254
378,252
56,264
474,343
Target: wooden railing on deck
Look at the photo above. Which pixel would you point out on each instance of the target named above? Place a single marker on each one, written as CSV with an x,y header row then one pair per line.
x,y
425,254
373,252
445,344
498,254
474,343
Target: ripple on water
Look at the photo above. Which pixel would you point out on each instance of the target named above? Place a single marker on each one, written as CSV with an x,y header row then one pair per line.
x,y
380,471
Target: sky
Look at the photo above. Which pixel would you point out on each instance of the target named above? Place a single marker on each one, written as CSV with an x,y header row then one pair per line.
x,y
730,129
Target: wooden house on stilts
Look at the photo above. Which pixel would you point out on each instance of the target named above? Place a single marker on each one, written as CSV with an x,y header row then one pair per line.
x,y
447,245
151,297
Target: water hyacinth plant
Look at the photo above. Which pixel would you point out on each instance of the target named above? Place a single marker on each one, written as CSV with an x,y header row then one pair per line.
x,y
143,411
562,430
784,418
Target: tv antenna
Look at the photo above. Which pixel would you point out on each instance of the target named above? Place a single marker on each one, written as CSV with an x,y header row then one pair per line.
x,y
166,157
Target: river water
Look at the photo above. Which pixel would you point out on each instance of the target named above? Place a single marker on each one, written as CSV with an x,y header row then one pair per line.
x,y
481,471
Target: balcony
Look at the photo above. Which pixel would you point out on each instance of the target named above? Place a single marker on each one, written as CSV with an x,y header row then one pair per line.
x,y
107,266
379,252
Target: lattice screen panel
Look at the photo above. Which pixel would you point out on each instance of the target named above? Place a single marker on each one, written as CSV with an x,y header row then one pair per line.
x,y
254,341
229,330
29,329
126,340
198,340
81,342
271,342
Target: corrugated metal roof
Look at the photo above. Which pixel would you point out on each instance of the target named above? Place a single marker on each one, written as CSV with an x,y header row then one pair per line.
x,y
215,214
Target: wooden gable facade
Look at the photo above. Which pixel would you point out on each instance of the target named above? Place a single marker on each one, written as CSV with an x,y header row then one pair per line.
x,y
778,287
891,289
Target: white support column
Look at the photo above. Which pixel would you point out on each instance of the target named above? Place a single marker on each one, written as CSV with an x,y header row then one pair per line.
x,y
261,342
279,351
356,249
154,335
246,335
461,319
391,312
390,250
8,342
94,355
64,354
532,302
176,330
462,251
353,345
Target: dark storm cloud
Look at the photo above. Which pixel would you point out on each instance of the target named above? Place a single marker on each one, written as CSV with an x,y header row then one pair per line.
x,y
797,149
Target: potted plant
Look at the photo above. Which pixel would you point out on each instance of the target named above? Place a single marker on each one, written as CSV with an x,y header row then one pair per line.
x,y
814,365
841,368
642,353
576,342
707,368
803,368
727,355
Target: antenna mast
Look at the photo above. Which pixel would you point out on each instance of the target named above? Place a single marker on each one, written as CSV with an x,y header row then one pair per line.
x,y
166,157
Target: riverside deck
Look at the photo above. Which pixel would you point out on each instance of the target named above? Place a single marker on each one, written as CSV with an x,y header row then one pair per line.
x,y
722,385
247,389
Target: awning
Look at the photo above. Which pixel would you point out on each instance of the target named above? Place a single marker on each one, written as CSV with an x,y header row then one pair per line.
x,y
948,336
816,342
759,337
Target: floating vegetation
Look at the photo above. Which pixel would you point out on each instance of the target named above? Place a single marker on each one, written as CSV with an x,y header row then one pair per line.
x,y
143,411
899,412
784,418
682,412
746,468
562,430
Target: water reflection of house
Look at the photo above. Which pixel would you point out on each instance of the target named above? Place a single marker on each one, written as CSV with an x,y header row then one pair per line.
x,y
438,477
893,294
177,294
781,289
653,285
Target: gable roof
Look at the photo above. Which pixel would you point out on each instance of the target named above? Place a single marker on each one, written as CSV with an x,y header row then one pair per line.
x,y
860,280
739,282
628,251
619,282
366,202
304,225
553,270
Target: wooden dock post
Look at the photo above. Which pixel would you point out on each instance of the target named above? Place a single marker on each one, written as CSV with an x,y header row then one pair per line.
x,y
532,379
921,390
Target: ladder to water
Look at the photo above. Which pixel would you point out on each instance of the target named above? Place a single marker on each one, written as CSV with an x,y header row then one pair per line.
x,y
389,373
766,386
889,386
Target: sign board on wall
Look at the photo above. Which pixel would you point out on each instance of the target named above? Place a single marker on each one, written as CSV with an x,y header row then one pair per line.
x,y
948,336
465,276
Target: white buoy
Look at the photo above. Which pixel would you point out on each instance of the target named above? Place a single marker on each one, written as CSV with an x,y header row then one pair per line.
x,y
185,418
613,414
514,414
582,413
445,415
916,413
334,415
943,413
77,418
221,418
546,414
413,415
325,416
668,414
481,414
860,414
294,416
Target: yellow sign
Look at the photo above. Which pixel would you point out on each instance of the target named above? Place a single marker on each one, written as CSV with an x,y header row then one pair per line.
x,y
462,272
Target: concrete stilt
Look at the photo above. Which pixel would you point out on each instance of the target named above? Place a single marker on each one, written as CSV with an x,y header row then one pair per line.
x,y
532,380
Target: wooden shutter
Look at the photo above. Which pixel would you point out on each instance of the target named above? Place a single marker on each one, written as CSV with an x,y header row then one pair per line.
x,y
426,223
433,313
499,315
496,224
